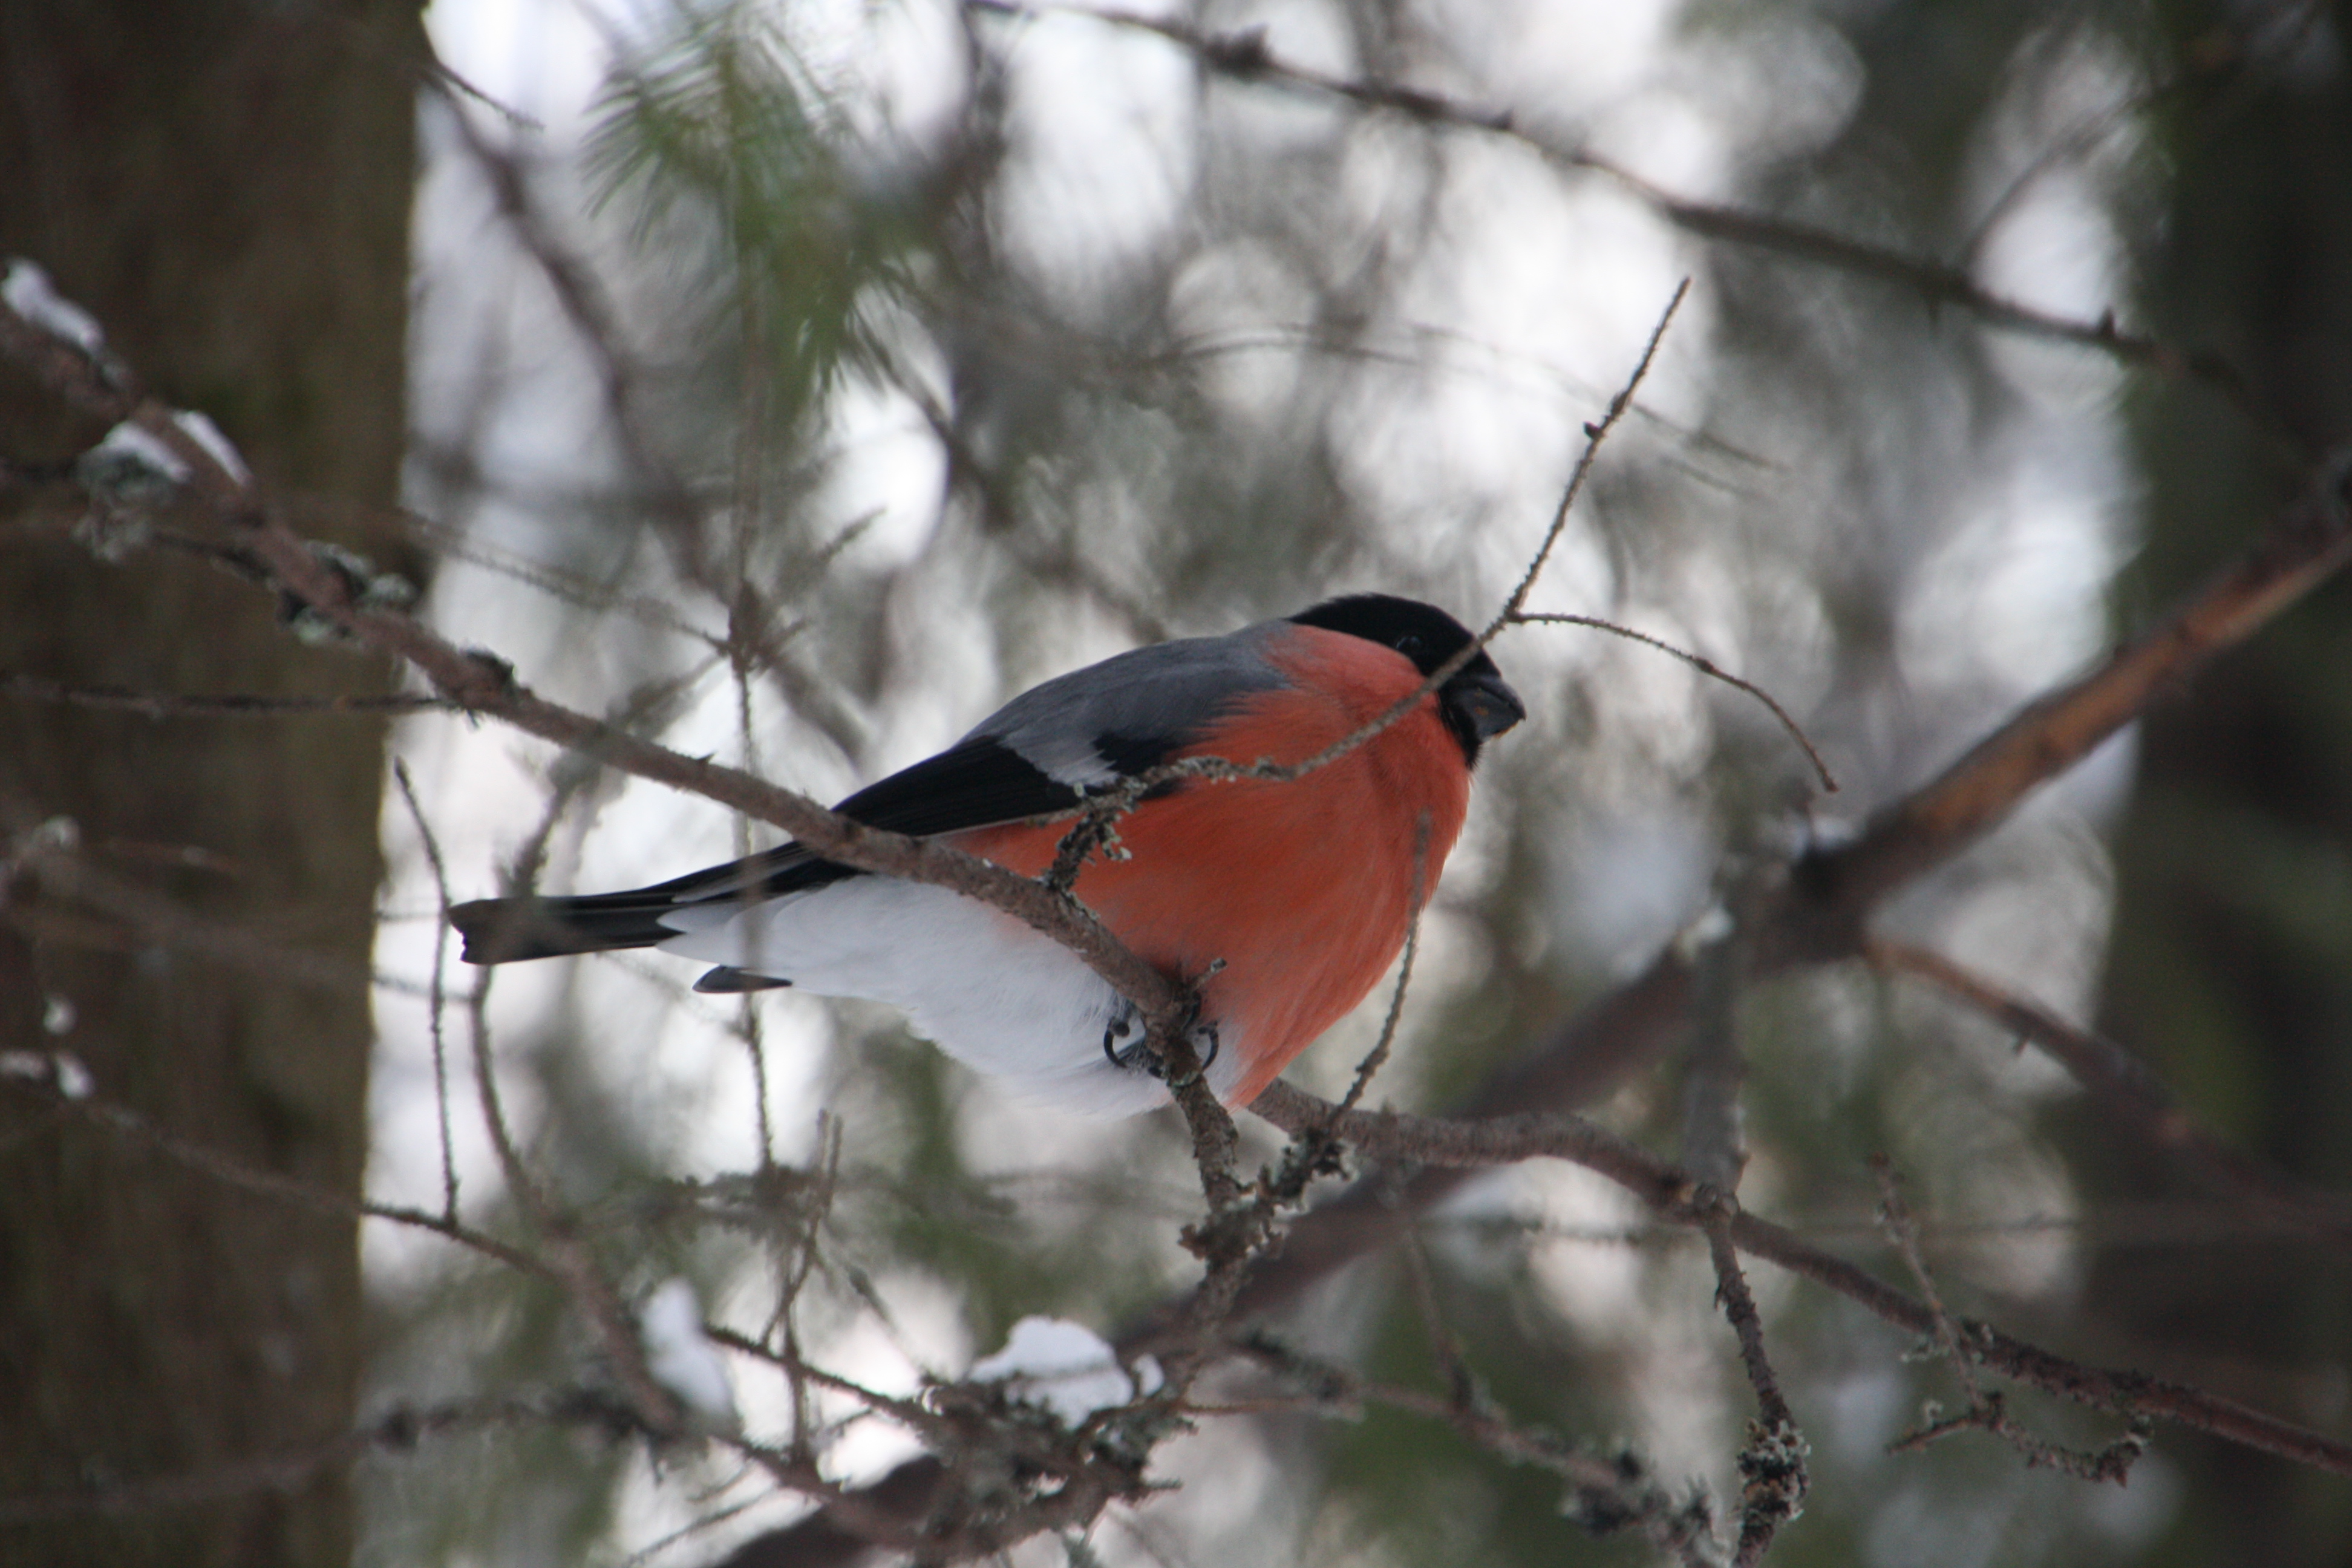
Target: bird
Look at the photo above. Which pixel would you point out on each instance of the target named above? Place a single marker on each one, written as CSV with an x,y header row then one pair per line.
x,y
1283,900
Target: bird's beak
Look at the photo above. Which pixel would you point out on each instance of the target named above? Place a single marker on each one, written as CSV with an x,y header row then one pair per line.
x,y
1492,705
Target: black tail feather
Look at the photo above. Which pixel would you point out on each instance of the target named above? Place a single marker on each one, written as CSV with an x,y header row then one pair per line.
x,y
506,930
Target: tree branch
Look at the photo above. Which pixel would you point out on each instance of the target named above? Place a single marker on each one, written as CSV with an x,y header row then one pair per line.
x,y
175,705
1668,1190
2128,1091
1245,57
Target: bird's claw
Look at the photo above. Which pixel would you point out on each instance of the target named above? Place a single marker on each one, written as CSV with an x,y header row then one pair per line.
x,y
1124,1043
1124,1024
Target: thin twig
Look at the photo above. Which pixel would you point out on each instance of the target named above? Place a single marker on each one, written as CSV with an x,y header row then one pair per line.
x,y
238,705
752,1029
435,1004
1894,1220
1773,1474
568,1256
1613,1494
1595,433
2127,1089
130,1124
557,584
1705,666
524,1186
748,1026
1444,1346
1379,1055
396,1431
1774,1477
1714,1216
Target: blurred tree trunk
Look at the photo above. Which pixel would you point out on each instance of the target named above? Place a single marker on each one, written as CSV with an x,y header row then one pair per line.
x,y
2231,964
227,186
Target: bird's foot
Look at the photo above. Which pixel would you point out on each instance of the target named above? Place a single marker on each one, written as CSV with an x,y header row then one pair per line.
x,y
1124,1044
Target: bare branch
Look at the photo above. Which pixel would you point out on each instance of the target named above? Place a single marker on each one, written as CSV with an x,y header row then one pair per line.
x,y
1245,57
2308,542
1895,1218
1505,1140
1772,1465
1444,1346
2128,1090
1986,1412
172,705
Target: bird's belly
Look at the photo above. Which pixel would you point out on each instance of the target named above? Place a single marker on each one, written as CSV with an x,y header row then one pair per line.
x,y
994,993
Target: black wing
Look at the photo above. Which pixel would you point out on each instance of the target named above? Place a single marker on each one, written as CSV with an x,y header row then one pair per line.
x,y
978,783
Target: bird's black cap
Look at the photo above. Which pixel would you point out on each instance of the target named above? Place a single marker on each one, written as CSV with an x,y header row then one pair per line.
x,y
1477,702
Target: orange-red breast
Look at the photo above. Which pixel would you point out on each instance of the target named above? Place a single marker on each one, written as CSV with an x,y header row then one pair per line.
x,y
1287,900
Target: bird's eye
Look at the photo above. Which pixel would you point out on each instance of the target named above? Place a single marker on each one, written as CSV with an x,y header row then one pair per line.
x,y
1408,644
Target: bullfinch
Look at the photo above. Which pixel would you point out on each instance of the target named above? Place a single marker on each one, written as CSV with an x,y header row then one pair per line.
x,y
1284,901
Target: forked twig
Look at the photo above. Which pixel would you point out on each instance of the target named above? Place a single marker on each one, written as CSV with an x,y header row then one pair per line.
x,y
1962,1345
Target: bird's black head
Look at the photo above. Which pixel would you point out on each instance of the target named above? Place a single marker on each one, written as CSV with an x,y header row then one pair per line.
x,y
1475,702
